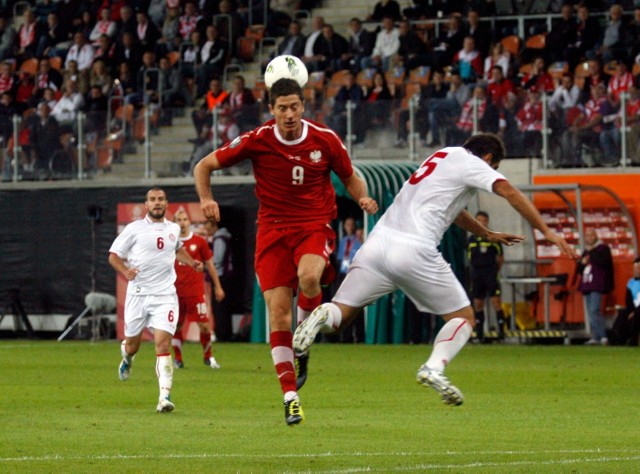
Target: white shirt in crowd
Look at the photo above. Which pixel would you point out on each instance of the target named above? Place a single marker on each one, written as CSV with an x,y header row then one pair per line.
x,y
387,43
83,56
68,107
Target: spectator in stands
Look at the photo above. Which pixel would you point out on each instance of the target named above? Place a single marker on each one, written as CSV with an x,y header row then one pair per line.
x,y
7,38
54,39
386,47
126,80
480,32
529,119
24,91
350,91
189,20
539,79
385,9
280,15
413,52
106,52
147,31
127,22
242,105
588,35
232,24
378,102
213,57
84,24
27,37
104,26
614,42
435,91
418,12
620,82
172,92
66,109
563,34
7,111
633,35
81,52
469,61
595,268
216,96
46,77
508,127
95,108
329,48
486,114
449,42
498,57
564,98
292,44
147,82
596,75
444,112
361,43
170,35
499,87
633,124
100,77
158,11
42,9
316,25
72,73
8,79
128,52
44,138
585,127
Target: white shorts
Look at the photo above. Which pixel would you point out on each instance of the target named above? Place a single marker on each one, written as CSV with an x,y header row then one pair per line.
x,y
388,262
150,311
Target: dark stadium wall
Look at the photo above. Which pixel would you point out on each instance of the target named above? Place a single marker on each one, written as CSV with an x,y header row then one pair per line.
x,y
46,242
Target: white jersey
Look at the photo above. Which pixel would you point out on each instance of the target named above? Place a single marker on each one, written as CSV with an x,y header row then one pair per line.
x,y
437,192
151,248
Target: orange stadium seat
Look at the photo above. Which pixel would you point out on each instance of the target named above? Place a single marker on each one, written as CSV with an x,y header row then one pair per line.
x,y
365,77
421,74
30,66
536,41
56,62
512,44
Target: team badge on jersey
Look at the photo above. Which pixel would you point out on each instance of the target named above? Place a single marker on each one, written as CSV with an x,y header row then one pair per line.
x,y
315,156
172,237
193,247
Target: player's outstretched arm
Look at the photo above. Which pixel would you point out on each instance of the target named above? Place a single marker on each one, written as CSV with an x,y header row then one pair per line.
x,y
202,177
469,223
357,189
527,210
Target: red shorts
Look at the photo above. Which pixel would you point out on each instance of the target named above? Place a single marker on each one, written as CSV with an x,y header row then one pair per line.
x,y
278,252
193,308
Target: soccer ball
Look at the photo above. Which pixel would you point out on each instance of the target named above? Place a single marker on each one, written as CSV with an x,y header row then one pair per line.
x,y
285,67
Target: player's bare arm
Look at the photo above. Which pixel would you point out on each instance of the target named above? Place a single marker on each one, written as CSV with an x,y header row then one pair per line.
x,y
357,189
202,177
469,223
527,210
183,257
218,291
118,265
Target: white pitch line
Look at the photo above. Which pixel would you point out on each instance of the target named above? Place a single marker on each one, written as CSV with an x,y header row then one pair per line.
x,y
115,457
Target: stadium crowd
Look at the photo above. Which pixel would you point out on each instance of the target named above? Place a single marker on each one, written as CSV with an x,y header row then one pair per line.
x,y
469,71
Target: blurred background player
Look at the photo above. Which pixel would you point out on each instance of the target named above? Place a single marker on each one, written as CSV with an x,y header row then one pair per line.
x,y
219,240
485,261
292,162
191,293
150,246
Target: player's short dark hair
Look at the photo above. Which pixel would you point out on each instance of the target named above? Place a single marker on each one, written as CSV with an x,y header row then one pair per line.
x,y
284,87
484,143
155,188
637,260
484,214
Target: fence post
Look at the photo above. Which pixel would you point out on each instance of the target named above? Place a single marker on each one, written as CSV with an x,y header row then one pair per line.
x,y
349,138
545,133
623,129
16,146
81,144
413,135
147,143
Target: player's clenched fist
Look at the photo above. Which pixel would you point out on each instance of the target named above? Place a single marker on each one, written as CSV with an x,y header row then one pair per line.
x,y
210,209
369,205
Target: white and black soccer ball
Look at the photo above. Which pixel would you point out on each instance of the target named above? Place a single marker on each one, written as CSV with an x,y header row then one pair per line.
x,y
286,67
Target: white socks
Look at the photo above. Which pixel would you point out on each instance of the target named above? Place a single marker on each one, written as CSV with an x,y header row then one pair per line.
x,y
451,338
125,356
164,371
334,318
301,315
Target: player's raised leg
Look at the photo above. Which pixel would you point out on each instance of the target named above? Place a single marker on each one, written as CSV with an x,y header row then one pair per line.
x,y
449,341
304,308
128,349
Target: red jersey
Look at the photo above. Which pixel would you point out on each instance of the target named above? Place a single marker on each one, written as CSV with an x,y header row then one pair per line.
x,y
190,283
293,178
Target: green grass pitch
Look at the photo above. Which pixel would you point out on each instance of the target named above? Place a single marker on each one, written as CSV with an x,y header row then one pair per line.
x,y
527,409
